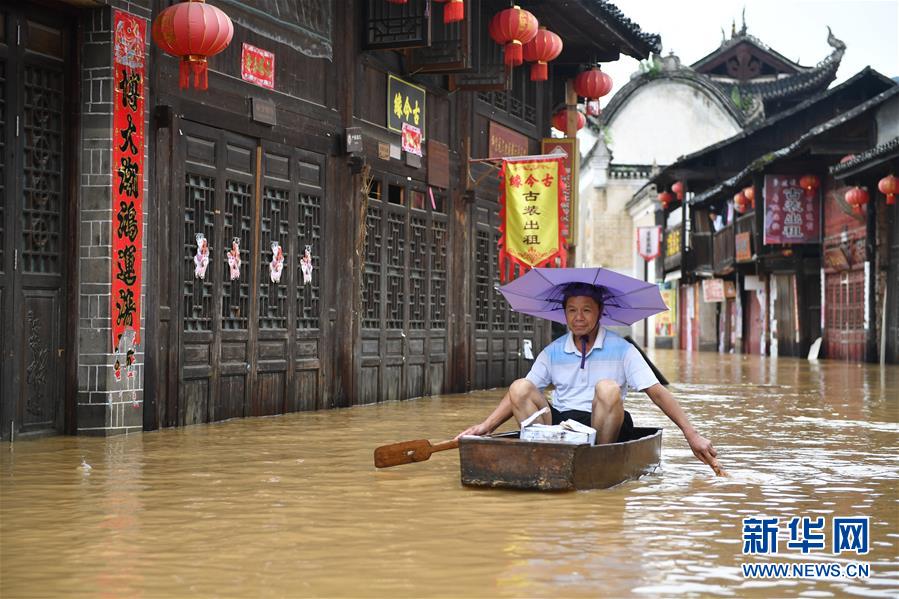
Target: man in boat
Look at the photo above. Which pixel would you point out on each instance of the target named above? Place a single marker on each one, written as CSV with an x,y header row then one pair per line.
x,y
591,369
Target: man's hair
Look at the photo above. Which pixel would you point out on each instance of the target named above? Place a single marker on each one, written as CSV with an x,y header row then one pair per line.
x,y
582,290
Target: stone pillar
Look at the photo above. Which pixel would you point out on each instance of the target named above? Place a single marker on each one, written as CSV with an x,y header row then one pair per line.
x,y
105,404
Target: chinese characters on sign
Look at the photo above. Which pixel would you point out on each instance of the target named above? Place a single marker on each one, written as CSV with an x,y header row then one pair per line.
x,y
257,66
567,149
648,242
127,176
411,139
405,104
848,535
791,215
504,142
530,196
666,322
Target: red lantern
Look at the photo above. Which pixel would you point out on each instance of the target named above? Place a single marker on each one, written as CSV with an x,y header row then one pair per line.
x,y
857,197
810,184
545,46
889,186
678,189
453,11
560,120
749,193
666,197
194,31
740,201
592,84
513,28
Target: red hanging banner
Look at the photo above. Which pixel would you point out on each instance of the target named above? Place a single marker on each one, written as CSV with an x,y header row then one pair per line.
x,y
129,83
530,196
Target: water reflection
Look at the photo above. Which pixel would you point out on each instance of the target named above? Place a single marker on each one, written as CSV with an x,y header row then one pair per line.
x,y
292,505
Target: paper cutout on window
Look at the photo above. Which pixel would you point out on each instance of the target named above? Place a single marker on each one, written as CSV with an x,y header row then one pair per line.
x,y
306,265
234,259
276,266
201,259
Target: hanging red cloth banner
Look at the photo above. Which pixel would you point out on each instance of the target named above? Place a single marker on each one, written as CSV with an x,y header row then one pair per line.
x,y
129,83
530,195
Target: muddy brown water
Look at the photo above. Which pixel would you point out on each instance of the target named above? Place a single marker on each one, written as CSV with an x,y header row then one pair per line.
x,y
292,505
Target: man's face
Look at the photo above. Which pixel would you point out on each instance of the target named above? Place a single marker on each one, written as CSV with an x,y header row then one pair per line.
x,y
582,313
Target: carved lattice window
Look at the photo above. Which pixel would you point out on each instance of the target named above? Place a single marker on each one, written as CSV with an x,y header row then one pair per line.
x,y
497,303
308,233
390,25
2,156
42,169
274,227
418,262
395,267
199,217
482,281
238,223
438,274
371,278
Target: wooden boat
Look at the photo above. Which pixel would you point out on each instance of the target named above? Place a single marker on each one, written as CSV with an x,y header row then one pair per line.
x,y
506,461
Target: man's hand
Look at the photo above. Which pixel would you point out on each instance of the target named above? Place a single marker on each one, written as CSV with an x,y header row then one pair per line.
x,y
705,452
478,429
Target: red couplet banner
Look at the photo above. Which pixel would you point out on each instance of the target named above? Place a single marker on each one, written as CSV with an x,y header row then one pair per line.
x,y
129,83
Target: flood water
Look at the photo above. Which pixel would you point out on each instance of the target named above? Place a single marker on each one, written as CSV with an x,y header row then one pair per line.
x,y
292,505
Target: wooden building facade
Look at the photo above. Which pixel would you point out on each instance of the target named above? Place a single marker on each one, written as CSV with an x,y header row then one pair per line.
x,y
829,282
299,160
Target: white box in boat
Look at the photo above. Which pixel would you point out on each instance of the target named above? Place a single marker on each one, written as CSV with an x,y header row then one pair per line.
x,y
567,432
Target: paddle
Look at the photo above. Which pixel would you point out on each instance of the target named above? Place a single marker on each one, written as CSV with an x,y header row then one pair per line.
x,y
407,452
655,371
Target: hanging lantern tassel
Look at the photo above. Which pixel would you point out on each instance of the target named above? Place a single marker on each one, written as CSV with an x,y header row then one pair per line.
x,y
454,11
200,67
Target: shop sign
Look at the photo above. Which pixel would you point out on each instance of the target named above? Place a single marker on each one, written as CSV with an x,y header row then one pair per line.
x,y
504,142
791,214
257,66
567,148
129,87
405,104
648,242
672,243
666,322
712,290
411,139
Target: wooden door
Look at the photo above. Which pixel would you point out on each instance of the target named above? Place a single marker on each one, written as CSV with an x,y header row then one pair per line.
x,y
34,160
498,333
844,333
754,325
248,344
403,347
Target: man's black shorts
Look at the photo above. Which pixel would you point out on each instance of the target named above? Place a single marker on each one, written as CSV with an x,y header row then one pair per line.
x,y
627,425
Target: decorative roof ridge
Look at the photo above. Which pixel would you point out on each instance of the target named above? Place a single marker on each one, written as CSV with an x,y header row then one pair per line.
x,y
644,42
772,120
680,72
863,157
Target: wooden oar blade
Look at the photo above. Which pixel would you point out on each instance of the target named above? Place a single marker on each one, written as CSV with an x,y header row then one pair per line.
x,y
405,452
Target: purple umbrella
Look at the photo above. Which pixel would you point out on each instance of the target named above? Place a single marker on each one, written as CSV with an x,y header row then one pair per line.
x,y
626,300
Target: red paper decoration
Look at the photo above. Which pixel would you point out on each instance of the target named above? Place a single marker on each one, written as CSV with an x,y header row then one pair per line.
x,y
560,120
889,186
857,197
749,193
666,197
193,30
453,10
592,84
678,189
810,183
741,201
513,28
545,46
